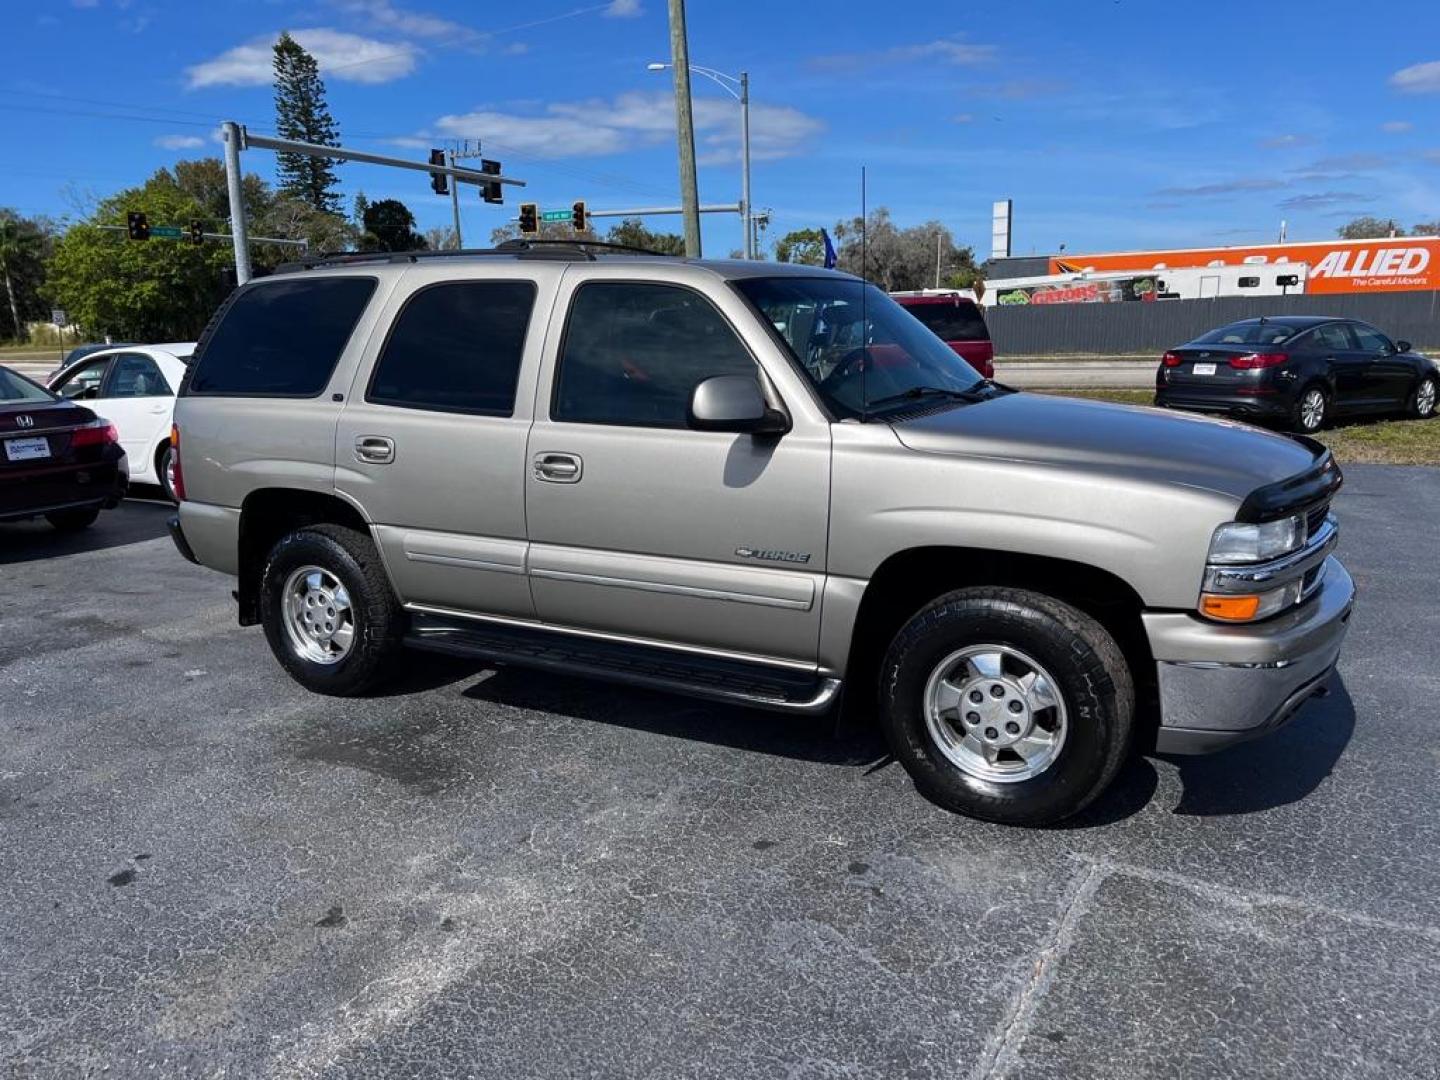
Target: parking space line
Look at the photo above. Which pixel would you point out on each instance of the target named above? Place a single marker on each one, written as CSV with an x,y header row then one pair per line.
x,y
1002,1053
1241,898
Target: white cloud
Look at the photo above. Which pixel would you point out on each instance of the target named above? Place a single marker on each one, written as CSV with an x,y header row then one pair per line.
x,y
1418,78
598,126
382,13
347,57
516,48
179,142
952,50
963,118
623,9
1396,127
1285,142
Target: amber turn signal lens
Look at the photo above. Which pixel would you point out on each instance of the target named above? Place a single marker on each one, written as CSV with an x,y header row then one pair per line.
x,y
1229,608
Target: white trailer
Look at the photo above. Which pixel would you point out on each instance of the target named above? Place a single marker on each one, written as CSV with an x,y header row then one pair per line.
x,y
1159,283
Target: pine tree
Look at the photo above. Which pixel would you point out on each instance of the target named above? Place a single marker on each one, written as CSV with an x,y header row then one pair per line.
x,y
301,114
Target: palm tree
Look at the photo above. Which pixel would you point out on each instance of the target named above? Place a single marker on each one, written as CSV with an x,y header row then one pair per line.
x,y
16,242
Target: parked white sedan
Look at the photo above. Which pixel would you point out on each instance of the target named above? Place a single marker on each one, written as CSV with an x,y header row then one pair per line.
x,y
134,387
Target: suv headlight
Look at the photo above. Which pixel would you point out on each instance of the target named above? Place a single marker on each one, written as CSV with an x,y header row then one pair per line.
x,y
1238,542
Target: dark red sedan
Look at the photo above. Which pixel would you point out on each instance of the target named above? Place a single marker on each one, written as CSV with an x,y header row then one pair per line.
x,y
57,458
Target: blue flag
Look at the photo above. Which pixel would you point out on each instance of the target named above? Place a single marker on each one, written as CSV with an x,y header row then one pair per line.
x,y
830,258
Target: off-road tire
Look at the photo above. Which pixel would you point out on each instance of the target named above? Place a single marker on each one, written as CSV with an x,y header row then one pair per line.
x,y
1093,679
379,618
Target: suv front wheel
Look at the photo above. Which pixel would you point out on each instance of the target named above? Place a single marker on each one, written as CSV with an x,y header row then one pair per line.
x,y
1007,705
329,614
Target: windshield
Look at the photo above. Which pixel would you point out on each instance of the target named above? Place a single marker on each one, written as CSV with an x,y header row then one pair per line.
x,y
15,388
856,354
1247,333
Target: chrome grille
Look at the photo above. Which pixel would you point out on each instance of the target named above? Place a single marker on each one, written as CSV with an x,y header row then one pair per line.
x,y
1315,517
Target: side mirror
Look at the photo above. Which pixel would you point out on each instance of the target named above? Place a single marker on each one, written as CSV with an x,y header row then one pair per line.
x,y
734,403
1403,346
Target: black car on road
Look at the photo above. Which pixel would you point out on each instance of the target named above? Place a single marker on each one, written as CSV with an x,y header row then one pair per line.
x,y
1299,370
57,458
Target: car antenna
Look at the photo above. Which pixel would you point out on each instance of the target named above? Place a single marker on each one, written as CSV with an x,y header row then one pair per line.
x,y
864,318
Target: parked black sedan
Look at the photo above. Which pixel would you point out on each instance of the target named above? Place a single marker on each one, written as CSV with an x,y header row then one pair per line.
x,y
1298,370
56,457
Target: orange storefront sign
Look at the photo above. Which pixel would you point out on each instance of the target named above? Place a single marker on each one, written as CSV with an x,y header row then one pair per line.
x,y
1396,264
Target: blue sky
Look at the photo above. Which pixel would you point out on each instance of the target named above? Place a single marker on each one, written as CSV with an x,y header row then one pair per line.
x,y
1112,124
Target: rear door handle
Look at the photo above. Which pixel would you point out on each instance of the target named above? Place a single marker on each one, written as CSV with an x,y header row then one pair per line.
x,y
558,468
375,449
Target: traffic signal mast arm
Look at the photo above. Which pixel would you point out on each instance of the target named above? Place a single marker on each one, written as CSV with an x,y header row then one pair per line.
x,y
340,153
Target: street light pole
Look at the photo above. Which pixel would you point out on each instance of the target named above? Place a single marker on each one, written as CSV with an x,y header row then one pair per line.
x,y
685,128
720,79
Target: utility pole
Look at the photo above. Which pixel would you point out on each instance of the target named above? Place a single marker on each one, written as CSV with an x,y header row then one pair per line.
x,y
745,164
455,203
236,191
685,127
937,258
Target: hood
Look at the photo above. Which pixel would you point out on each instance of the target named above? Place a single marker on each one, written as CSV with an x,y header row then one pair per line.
x,y
1125,440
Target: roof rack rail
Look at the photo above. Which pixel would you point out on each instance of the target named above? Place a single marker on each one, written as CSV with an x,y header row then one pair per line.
x,y
521,249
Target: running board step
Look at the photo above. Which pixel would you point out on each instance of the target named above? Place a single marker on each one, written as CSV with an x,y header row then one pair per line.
x,y
720,679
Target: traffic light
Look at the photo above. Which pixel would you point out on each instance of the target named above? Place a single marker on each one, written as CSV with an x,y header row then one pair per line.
x,y
439,181
578,216
197,233
137,225
529,219
491,192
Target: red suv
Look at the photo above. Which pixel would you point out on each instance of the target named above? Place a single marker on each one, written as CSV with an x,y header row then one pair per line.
x,y
957,321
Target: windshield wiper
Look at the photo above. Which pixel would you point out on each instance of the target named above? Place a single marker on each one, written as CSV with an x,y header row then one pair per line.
x,y
980,391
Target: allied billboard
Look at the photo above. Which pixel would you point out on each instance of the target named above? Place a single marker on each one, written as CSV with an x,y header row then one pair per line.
x,y
1394,264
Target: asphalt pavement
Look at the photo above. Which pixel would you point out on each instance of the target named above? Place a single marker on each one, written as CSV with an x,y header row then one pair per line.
x,y
206,871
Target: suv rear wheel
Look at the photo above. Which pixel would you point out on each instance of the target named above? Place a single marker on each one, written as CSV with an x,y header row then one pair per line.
x,y
1007,705
328,611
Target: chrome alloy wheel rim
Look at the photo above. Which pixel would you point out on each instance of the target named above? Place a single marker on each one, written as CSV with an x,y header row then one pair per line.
x,y
995,713
318,618
1425,398
170,474
1312,409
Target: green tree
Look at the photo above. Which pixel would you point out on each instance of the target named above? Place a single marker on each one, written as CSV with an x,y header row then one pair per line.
x,y
1370,228
152,290
897,259
632,232
301,114
390,226
805,246
24,243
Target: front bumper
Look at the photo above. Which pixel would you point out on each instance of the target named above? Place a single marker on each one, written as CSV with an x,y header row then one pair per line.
x,y
1224,684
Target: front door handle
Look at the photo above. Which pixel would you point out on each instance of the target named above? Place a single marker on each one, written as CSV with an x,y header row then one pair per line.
x,y
558,468
374,449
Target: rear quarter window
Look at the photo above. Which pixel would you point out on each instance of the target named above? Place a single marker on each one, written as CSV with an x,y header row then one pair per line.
x,y
281,338
951,322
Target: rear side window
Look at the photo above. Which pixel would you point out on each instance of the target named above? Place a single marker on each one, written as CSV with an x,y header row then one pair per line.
x,y
633,353
1371,340
282,338
456,347
1331,337
951,322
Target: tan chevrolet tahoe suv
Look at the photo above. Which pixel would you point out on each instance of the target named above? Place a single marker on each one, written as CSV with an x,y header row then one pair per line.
x,y
755,483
